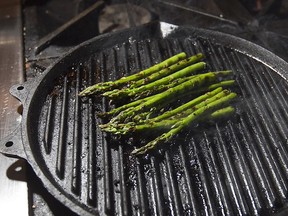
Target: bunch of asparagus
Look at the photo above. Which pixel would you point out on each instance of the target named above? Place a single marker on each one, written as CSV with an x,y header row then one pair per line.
x,y
151,92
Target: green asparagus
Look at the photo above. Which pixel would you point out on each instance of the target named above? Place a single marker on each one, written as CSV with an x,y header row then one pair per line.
x,y
165,97
119,109
159,88
101,87
167,71
163,125
123,93
179,112
176,128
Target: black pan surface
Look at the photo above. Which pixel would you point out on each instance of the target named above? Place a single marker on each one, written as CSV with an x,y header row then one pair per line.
x,y
239,166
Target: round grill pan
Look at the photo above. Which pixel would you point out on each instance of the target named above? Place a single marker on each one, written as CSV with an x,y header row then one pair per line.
x,y
234,167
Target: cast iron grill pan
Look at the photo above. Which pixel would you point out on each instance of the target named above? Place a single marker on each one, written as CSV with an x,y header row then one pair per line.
x,y
236,167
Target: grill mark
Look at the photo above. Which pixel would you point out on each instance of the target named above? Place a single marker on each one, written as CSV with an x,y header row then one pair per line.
x,y
125,59
107,177
48,126
172,47
191,46
148,61
204,192
76,160
107,190
156,54
91,160
135,55
60,160
91,145
285,88
181,47
163,52
156,187
174,191
141,56
216,64
123,190
199,48
191,194
141,190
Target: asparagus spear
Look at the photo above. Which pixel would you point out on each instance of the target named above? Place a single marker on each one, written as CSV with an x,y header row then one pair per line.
x,y
163,98
165,80
169,70
117,110
159,88
144,115
176,128
165,124
177,113
191,103
104,86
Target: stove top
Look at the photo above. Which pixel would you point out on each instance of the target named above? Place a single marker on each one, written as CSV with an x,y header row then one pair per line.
x,y
50,30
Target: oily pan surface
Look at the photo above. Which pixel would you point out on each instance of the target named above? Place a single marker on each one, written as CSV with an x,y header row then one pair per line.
x,y
235,166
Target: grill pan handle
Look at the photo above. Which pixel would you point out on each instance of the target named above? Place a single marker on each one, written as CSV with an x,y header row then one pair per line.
x,y
12,145
20,91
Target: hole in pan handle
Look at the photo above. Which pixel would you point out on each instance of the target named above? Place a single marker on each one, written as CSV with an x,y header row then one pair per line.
x,y
20,91
12,145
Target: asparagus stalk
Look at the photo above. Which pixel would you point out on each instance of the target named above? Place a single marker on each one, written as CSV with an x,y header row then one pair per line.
x,y
163,98
176,128
177,113
185,106
143,116
224,112
117,110
165,124
105,86
160,88
146,116
169,70
184,79
165,80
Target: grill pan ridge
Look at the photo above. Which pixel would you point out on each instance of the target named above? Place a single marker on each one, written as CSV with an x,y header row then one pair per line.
x,y
234,167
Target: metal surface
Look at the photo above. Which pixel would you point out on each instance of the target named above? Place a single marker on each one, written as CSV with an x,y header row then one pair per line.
x,y
238,167
72,28
13,189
